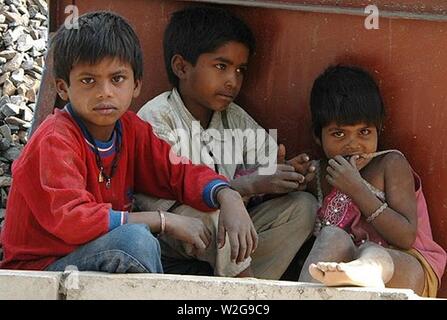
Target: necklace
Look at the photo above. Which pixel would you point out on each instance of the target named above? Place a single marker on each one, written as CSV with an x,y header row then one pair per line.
x,y
103,176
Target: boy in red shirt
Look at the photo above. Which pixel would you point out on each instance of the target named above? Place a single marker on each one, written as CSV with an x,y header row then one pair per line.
x,y
73,184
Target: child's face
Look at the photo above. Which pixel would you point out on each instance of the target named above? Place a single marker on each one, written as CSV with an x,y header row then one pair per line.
x,y
216,78
100,93
347,140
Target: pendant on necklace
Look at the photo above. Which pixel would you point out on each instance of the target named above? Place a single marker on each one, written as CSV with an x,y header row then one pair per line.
x,y
108,183
100,177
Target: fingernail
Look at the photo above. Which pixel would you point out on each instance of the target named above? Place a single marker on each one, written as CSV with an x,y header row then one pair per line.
x,y
306,158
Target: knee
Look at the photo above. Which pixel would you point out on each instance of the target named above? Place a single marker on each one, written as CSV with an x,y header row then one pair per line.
x,y
335,237
304,208
135,240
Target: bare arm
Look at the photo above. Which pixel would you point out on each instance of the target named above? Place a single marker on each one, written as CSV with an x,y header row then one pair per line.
x,y
398,222
186,229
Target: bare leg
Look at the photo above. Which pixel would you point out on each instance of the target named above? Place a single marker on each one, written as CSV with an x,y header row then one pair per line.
x,y
410,273
373,268
332,244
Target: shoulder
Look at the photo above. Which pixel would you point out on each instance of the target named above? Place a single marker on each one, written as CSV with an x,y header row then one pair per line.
x,y
395,164
57,126
393,159
57,131
158,103
239,118
156,107
161,112
131,122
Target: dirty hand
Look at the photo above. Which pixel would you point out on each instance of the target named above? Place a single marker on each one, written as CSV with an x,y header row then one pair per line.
x,y
234,220
344,175
301,163
284,180
188,229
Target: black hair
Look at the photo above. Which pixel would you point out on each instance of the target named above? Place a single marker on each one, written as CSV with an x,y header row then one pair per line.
x,y
345,95
197,30
98,35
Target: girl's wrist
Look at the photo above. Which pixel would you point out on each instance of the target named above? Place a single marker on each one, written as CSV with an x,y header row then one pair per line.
x,y
359,191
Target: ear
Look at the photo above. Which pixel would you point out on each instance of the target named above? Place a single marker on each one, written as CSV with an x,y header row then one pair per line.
x,y
62,89
137,89
179,66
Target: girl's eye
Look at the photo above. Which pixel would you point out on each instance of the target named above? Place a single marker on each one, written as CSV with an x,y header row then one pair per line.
x,y
338,134
118,79
87,80
221,66
365,132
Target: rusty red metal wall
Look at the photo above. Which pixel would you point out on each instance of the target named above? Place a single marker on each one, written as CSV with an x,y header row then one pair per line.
x,y
408,57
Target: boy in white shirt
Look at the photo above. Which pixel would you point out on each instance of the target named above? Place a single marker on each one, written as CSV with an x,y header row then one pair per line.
x,y
206,54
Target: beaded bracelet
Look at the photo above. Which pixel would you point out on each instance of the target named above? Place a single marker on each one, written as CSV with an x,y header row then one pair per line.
x,y
377,212
162,222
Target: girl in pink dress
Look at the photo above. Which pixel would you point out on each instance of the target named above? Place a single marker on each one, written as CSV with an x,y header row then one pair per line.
x,y
373,226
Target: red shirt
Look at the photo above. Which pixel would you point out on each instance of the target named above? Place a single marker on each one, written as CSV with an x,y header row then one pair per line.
x,y
56,203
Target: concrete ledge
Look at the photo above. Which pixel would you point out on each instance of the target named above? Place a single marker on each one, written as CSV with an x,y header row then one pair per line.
x,y
94,285
29,285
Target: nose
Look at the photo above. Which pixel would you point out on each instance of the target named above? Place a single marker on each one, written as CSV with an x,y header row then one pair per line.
x,y
232,80
353,144
104,89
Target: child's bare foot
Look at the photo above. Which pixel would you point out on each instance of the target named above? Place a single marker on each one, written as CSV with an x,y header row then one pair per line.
x,y
355,273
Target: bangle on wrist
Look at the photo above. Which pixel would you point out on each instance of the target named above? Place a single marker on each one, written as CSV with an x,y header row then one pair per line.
x,y
162,222
376,213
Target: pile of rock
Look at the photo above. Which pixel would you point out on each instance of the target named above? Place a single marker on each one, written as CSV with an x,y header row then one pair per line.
x,y
23,44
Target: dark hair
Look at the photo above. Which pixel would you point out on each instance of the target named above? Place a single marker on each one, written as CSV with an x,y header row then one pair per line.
x,y
100,34
197,30
345,95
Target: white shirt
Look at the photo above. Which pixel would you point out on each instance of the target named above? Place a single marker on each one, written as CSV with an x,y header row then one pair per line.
x,y
232,145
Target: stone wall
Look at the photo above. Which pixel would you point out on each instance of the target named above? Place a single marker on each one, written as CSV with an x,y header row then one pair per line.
x,y
23,44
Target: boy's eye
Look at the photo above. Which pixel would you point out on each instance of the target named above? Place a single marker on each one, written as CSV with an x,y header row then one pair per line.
x,y
87,80
221,66
241,70
338,134
118,79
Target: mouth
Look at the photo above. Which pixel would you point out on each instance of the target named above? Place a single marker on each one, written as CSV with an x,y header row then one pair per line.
x,y
226,96
105,109
361,156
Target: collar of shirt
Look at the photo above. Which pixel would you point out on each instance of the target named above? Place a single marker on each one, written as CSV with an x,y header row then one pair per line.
x,y
215,124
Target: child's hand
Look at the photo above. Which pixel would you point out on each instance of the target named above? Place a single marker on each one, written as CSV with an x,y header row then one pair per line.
x,y
301,163
305,167
188,229
284,180
235,221
344,175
